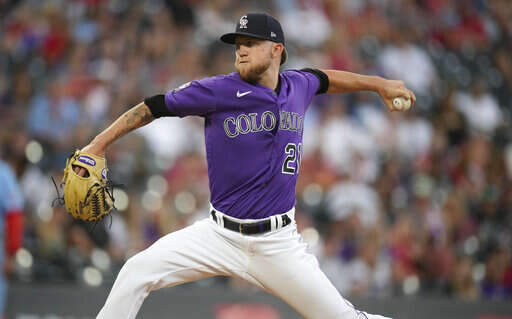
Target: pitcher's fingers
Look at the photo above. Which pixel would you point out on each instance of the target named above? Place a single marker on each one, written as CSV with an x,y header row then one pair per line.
x,y
389,105
405,93
80,171
413,97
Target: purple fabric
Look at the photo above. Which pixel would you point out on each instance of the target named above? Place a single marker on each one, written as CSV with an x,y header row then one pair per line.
x,y
251,133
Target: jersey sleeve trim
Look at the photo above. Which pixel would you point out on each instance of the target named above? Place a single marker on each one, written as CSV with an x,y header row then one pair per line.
x,y
322,77
156,105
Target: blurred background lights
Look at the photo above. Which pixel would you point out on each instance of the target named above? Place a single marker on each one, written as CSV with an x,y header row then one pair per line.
x,y
158,184
478,272
471,245
313,194
34,152
100,259
44,212
122,199
185,202
151,200
411,285
24,259
162,162
92,276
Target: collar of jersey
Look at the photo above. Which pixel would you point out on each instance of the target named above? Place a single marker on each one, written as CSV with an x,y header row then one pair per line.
x,y
275,92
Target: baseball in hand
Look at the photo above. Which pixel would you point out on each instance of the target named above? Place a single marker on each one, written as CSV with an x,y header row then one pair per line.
x,y
401,104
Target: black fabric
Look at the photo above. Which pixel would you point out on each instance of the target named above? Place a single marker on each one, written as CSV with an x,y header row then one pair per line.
x,y
278,87
157,106
257,25
260,26
324,80
249,228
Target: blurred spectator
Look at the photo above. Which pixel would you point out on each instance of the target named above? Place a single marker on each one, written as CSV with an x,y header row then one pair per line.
x,y
413,135
53,116
345,144
463,285
480,108
307,26
352,200
496,284
398,198
11,226
403,59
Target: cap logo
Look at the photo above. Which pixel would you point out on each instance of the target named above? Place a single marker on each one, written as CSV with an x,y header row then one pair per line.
x,y
243,22
272,34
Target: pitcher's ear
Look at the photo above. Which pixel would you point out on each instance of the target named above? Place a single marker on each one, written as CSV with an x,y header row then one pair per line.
x,y
277,49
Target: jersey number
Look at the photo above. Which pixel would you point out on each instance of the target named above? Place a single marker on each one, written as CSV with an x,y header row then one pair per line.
x,y
294,154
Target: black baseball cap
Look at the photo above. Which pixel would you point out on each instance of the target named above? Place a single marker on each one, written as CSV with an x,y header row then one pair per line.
x,y
260,26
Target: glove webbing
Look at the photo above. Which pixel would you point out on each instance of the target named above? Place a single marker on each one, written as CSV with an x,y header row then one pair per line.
x,y
96,194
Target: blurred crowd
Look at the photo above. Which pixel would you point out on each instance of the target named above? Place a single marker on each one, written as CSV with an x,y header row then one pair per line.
x,y
416,203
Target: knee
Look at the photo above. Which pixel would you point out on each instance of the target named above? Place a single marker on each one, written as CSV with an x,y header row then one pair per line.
x,y
138,263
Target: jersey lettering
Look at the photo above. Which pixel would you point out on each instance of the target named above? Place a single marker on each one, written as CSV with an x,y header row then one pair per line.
x,y
254,123
243,123
249,123
291,121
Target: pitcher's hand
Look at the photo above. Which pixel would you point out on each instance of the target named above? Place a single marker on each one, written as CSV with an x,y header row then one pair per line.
x,y
391,89
91,148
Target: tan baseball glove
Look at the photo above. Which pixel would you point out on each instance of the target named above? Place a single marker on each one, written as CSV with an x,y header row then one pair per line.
x,y
87,197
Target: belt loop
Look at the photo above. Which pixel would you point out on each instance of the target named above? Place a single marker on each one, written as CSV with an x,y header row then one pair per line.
x,y
273,223
279,221
220,219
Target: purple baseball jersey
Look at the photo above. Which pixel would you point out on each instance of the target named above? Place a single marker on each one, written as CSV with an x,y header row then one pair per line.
x,y
253,138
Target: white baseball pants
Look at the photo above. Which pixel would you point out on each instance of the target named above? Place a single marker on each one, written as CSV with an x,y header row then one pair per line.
x,y
276,262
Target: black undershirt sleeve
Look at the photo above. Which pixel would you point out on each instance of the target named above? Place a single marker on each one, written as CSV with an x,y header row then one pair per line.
x,y
157,106
324,79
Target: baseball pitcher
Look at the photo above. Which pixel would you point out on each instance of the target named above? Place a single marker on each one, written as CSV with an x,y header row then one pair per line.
x,y
254,121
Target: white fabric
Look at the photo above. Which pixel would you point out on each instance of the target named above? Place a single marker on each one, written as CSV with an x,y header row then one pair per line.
x,y
347,198
312,30
482,112
347,145
277,262
279,221
414,137
409,63
273,223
